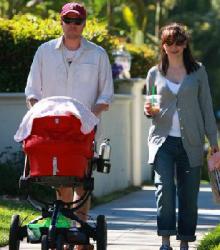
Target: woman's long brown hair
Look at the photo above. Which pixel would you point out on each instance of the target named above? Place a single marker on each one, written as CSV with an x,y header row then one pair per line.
x,y
176,33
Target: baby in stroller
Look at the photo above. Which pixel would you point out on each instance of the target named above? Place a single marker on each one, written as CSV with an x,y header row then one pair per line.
x,y
58,140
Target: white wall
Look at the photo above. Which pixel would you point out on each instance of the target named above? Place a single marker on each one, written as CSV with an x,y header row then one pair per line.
x,y
124,124
116,125
140,126
12,109
146,169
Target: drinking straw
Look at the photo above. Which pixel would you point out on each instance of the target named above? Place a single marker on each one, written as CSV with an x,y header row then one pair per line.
x,y
153,93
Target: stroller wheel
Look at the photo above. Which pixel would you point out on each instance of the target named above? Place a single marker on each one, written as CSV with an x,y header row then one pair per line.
x,y
14,240
70,247
59,242
101,232
44,243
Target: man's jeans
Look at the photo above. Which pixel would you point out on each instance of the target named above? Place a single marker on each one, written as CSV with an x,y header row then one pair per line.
x,y
171,161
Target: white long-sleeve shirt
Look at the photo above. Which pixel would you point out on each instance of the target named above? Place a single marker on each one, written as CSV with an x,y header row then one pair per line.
x,y
88,78
175,127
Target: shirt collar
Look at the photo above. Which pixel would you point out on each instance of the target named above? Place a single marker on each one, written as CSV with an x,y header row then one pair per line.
x,y
83,46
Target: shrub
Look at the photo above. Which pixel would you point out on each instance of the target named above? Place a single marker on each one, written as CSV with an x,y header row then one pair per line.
x,y
11,168
142,59
211,240
20,37
216,247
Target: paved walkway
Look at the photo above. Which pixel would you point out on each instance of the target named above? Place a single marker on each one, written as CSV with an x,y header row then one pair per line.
x,y
132,221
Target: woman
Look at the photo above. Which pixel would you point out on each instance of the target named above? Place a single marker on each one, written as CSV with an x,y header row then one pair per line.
x,y
176,136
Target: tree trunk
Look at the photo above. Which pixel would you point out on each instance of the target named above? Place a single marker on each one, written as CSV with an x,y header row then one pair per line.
x,y
109,14
157,18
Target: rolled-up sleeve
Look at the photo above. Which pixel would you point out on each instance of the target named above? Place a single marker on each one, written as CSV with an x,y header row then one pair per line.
x,y
34,82
106,88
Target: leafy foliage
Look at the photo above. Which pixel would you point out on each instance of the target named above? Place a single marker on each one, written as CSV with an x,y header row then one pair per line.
x,y
211,241
11,167
142,59
20,37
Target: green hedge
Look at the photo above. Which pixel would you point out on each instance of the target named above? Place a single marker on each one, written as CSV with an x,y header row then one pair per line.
x,y
211,241
143,58
20,37
11,169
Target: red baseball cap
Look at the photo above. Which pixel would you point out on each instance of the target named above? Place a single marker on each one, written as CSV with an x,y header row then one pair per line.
x,y
75,8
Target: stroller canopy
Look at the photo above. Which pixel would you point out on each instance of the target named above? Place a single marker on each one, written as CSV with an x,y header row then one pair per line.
x,y
54,106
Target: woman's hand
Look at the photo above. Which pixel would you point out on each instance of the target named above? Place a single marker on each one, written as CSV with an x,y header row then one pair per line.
x,y
214,158
150,110
214,149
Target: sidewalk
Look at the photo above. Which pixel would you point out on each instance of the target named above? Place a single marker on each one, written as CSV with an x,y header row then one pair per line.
x,y
132,221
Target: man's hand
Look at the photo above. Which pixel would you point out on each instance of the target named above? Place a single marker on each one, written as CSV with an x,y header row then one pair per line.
x,y
30,102
99,108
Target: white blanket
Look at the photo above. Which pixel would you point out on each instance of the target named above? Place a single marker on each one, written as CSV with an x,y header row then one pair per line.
x,y
56,105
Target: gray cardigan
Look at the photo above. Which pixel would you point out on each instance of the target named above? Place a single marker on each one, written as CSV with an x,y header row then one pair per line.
x,y
194,105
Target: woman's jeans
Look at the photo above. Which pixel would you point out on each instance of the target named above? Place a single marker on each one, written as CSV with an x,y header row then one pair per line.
x,y
172,170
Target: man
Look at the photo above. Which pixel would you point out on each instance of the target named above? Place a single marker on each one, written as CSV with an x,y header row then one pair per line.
x,y
74,67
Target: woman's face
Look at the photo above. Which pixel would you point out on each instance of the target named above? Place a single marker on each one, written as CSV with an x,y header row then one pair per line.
x,y
174,49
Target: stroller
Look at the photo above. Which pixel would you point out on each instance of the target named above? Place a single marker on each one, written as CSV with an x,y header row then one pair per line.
x,y
59,154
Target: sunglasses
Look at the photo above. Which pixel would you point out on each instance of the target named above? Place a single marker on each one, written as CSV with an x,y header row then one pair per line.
x,y
76,21
177,42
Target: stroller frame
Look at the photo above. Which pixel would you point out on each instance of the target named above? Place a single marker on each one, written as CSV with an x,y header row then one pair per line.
x,y
51,236
54,237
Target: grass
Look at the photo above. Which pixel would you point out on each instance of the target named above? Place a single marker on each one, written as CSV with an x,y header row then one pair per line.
x,y
204,182
211,241
8,208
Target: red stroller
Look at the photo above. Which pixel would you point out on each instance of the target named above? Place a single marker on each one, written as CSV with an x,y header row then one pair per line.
x,y
58,154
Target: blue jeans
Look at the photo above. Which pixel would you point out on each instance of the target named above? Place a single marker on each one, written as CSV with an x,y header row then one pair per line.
x,y
171,161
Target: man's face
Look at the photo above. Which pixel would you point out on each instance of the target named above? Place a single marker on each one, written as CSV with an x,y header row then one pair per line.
x,y
72,30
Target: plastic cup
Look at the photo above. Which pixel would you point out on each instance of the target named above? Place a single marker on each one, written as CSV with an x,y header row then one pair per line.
x,y
154,101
